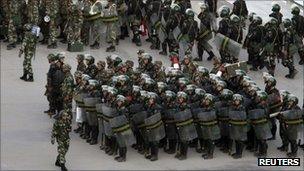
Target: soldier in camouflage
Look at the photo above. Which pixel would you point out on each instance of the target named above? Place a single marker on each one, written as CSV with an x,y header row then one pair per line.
x,y
238,124
207,105
80,63
188,66
204,33
28,47
52,10
159,74
110,19
292,120
74,25
52,61
102,73
60,133
91,68
16,20
274,101
67,88
291,42
298,24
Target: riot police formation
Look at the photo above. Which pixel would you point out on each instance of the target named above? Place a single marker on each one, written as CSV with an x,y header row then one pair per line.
x,y
120,110
171,26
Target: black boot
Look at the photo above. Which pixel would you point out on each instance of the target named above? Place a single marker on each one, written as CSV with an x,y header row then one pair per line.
x,y
30,78
172,147
11,46
184,151
154,152
84,127
294,149
52,46
94,135
110,48
87,133
262,153
210,150
57,163
63,168
113,146
95,45
122,154
238,149
24,76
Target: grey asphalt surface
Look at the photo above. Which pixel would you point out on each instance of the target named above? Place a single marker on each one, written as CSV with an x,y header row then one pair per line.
x,y
25,130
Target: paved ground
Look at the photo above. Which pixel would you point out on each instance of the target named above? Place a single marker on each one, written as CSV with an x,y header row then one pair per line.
x,y
25,130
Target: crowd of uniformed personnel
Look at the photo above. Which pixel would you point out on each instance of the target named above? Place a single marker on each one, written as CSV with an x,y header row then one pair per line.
x,y
151,107
171,26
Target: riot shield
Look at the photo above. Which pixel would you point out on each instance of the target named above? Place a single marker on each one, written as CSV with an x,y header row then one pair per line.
x,y
223,118
90,107
170,124
196,111
294,123
100,118
209,126
121,128
238,125
107,114
260,123
229,45
185,125
155,128
230,68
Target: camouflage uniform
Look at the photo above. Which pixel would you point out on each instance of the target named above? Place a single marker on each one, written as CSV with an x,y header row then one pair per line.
x,y
64,9
52,7
159,75
102,73
67,88
28,47
291,42
4,11
74,24
81,65
110,19
16,19
33,12
61,130
188,68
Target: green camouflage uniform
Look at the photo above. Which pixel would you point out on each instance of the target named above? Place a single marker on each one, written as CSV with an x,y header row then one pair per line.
x,y
67,89
75,21
4,17
33,12
110,19
15,19
61,130
28,47
52,10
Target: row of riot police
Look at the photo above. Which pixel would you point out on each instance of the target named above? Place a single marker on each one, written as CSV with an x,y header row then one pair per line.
x,y
188,108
